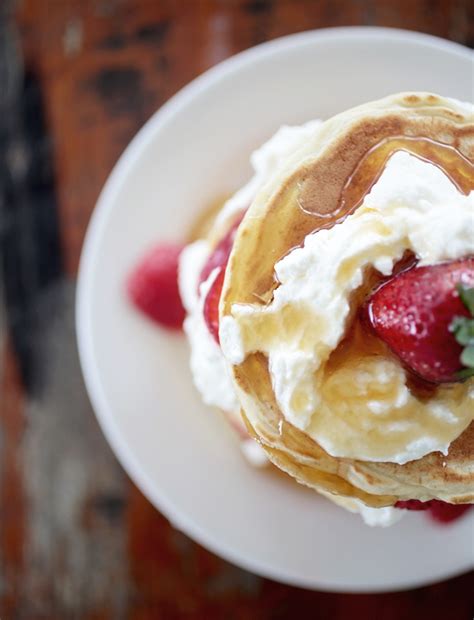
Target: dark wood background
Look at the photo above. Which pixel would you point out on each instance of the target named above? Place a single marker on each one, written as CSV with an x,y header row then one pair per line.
x,y
77,80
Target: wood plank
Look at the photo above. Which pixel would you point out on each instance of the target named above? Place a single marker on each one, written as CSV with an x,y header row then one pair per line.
x,y
76,538
12,500
107,66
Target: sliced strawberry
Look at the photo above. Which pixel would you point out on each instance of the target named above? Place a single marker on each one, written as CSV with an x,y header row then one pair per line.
x,y
211,304
412,314
218,260
438,510
413,504
153,285
221,253
445,513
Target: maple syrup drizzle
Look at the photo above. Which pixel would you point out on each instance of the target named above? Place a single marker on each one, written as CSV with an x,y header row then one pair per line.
x,y
369,168
361,181
360,340
314,199
367,172
285,229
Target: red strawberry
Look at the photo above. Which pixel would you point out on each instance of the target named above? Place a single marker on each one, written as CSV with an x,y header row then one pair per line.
x,y
218,259
211,305
445,513
221,253
413,504
153,285
413,311
438,510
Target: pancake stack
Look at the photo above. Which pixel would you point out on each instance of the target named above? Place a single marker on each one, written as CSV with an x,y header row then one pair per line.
x,y
324,182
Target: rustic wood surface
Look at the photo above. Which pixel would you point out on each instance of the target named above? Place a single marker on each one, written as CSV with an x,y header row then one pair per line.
x,y
77,80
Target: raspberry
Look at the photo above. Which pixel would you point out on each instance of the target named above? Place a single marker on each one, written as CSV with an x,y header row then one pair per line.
x,y
413,504
153,285
439,511
445,513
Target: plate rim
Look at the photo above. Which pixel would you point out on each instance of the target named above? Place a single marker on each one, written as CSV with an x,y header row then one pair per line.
x,y
104,206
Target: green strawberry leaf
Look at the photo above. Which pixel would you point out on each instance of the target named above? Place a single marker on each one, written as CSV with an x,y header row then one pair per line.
x,y
467,357
463,329
467,297
465,373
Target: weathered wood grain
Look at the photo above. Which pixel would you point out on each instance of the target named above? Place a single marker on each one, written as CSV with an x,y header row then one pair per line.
x,y
77,539
12,501
75,559
107,65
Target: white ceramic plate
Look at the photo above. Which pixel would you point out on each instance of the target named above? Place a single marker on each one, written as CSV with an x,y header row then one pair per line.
x,y
181,454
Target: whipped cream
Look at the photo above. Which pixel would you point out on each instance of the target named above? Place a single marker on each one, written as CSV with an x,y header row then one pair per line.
x,y
208,366
375,517
379,517
209,369
363,410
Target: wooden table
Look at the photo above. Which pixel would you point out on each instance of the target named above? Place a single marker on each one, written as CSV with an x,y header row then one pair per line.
x,y
77,538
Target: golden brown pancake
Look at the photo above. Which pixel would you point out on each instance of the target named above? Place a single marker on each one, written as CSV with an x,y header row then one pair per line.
x,y
323,182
